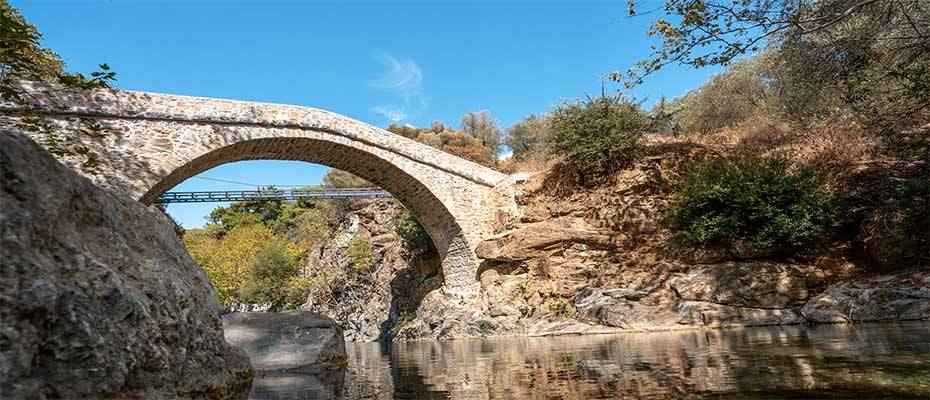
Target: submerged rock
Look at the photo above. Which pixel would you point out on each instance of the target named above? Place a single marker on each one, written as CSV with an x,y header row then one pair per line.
x,y
98,297
290,340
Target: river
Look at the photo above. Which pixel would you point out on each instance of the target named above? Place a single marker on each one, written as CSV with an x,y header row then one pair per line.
x,y
861,361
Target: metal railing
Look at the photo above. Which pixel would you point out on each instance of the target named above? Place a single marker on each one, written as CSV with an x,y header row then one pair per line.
x,y
270,194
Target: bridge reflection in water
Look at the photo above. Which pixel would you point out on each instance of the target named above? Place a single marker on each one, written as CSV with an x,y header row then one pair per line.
x,y
874,361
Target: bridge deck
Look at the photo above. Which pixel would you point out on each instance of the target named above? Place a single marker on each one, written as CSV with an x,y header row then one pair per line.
x,y
269,194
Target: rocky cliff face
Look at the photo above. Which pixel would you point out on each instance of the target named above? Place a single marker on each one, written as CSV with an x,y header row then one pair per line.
x,y
370,303
98,297
602,260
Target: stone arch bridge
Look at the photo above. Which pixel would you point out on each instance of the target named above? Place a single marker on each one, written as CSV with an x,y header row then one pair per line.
x,y
151,142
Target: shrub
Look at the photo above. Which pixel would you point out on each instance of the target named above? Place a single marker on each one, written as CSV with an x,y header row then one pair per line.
x,y
752,203
597,136
403,322
359,252
412,232
561,307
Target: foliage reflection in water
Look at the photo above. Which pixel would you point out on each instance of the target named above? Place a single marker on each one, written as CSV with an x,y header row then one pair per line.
x,y
888,360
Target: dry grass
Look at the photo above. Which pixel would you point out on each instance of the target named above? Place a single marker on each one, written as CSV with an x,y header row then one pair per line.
x,y
840,150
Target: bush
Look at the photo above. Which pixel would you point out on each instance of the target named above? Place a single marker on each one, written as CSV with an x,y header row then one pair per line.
x,y
359,252
268,276
597,136
752,204
561,307
412,232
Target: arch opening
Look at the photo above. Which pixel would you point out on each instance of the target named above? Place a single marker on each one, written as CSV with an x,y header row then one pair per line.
x,y
416,195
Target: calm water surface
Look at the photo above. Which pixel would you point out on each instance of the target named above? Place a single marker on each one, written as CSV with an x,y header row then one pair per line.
x,y
864,361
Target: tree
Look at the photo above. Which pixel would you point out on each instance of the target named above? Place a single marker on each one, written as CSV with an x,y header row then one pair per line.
x,y
727,99
249,212
405,131
225,259
597,136
23,58
339,179
529,135
481,126
752,204
268,274
663,119
359,252
874,51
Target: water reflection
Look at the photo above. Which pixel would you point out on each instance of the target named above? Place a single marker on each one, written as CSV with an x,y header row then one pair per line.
x,y
833,361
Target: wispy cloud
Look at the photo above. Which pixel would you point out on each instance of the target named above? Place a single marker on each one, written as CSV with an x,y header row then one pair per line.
x,y
395,114
403,79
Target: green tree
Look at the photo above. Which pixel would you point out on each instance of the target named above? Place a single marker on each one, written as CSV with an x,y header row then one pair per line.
x,y
597,136
249,212
872,53
268,275
23,58
529,135
412,233
360,252
225,258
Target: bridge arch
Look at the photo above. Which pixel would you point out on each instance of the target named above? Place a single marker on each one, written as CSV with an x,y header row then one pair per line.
x,y
152,142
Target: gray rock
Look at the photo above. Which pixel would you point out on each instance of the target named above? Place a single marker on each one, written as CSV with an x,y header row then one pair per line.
x,y
744,284
851,301
290,340
98,297
720,315
623,308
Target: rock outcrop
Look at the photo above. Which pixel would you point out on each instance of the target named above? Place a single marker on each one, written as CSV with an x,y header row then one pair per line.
x,y
895,297
291,340
374,302
600,259
98,297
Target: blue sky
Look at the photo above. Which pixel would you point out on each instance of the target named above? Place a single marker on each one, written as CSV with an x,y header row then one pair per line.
x,y
380,62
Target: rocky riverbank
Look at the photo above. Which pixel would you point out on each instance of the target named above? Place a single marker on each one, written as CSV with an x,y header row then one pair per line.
x,y
601,259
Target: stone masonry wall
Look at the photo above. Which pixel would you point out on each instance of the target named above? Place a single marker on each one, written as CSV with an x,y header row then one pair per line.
x,y
152,142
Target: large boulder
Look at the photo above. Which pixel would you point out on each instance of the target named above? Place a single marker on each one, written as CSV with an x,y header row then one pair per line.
x,y
98,297
539,239
897,297
757,284
287,341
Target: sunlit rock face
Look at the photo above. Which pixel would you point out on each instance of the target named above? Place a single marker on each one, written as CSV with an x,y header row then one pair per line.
x,y
98,297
